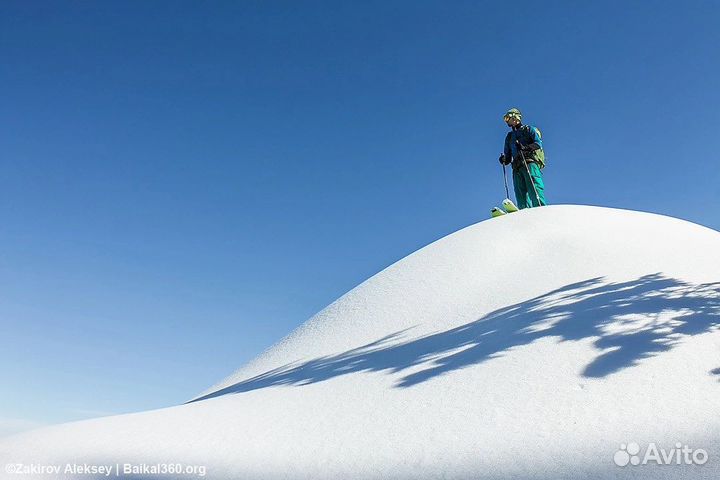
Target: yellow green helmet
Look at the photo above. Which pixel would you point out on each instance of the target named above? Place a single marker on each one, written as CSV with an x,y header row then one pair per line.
x,y
513,112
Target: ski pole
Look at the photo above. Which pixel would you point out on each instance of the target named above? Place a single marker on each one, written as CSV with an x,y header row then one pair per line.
x,y
507,192
527,168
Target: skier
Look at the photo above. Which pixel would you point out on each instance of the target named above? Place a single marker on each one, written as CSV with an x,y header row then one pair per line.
x,y
523,148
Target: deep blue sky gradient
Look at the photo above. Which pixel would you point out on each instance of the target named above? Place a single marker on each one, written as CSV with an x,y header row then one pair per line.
x,y
182,183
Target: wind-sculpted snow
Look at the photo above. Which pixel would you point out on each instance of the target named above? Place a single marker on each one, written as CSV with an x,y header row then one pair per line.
x,y
561,342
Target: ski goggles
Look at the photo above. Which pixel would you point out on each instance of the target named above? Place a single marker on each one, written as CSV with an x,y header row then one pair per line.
x,y
508,116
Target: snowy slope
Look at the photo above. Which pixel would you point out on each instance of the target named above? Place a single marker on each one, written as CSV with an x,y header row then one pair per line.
x,y
533,345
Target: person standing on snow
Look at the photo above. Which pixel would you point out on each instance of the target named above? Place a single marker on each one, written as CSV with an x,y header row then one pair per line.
x,y
523,148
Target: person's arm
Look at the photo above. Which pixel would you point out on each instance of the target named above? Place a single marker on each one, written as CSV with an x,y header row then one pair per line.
x,y
536,143
506,157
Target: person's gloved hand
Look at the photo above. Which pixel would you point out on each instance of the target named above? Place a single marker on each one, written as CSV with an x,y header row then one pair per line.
x,y
502,160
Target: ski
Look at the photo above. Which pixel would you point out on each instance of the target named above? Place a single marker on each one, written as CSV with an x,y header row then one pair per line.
x,y
497,212
509,206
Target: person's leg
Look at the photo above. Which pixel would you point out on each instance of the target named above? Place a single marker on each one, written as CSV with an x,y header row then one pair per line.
x,y
519,185
537,179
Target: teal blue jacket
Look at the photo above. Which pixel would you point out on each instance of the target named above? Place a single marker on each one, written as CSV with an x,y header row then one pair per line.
x,y
527,135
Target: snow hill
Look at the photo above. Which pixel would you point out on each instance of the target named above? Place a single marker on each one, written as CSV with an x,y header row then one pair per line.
x,y
555,342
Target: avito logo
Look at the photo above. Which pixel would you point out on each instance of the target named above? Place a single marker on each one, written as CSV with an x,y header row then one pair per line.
x,y
630,454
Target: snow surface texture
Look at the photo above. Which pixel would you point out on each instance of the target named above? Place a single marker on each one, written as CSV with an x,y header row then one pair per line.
x,y
530,346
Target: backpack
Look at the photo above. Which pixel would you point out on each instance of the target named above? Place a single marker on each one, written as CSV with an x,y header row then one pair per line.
x,y
538,155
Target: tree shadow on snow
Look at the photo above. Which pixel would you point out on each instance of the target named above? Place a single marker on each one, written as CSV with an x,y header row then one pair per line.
x,y
627,322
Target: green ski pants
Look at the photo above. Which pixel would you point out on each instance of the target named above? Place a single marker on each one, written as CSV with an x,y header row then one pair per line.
x,y
523,183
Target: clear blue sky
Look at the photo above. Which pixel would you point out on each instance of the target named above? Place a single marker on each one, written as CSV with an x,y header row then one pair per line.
x,y
183,183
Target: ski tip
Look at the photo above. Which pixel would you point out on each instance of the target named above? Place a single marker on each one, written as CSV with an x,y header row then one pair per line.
x,y
497,212
509,206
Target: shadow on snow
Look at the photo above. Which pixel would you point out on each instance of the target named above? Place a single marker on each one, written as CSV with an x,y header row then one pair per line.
x,y
627,321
